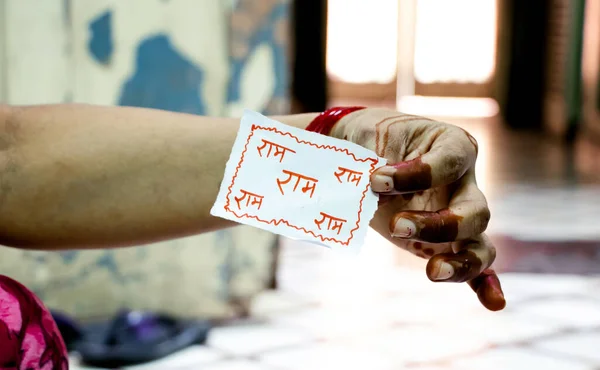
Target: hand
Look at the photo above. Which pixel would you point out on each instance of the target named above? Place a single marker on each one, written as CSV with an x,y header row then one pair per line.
x,y
430,204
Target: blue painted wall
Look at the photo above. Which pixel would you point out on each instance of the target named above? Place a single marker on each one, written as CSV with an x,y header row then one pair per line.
x,y
163,77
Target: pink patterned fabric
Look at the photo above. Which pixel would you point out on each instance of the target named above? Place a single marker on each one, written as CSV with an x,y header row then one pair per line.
x,y
29,337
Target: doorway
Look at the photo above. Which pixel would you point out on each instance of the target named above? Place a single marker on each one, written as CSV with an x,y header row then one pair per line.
x,y
414,53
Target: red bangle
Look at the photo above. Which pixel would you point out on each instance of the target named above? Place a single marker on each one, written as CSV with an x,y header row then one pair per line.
x,y
325,121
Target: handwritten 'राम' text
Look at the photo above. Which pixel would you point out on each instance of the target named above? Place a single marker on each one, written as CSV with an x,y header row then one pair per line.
x,y
333,223
275,185
353,176
310,183
277,150
251,199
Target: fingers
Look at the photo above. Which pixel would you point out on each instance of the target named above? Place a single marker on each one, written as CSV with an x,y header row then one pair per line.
x,y
467,216
488,289
471,264
451,155
472,259
432,227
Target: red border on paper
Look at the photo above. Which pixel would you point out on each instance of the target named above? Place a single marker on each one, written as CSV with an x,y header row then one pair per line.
x,y
277,222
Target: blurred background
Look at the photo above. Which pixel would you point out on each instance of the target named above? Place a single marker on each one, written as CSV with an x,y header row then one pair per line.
x,y
522,76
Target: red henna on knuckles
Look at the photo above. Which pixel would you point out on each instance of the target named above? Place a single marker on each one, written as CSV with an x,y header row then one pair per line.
x,y
418,245
489,291
466,266
412,176
433,227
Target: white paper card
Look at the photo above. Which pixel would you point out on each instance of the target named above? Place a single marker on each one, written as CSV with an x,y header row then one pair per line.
x,y
298,184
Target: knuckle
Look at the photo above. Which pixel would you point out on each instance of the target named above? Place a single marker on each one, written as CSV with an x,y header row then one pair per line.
x,y
455,164
483,216
477,220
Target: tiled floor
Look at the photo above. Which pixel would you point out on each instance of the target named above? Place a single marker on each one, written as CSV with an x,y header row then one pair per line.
x,y
368,313
378,311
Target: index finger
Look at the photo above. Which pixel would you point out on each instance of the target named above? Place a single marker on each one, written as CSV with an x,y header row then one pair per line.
x,y
451,155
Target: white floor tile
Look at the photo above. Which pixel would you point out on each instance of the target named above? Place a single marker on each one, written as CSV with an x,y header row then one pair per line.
x,y
327,357
236,365
190,357
421,344
580,345
324,323
543,285
251,339
499,327
517,359
456,301
582,313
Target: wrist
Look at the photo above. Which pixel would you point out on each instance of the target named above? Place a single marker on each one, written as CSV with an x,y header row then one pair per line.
x,y
326,121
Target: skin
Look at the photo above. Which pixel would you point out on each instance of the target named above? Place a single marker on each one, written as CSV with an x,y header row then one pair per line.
x,y
80,176
430,203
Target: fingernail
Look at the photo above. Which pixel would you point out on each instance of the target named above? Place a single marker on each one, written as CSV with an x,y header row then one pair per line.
x,y
382,183
404,228
444,272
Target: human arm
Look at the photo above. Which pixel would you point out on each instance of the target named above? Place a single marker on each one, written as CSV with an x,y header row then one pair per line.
x,y
77,176
81,176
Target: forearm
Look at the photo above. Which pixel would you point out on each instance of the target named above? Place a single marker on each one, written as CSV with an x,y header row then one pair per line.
x,y
76,176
